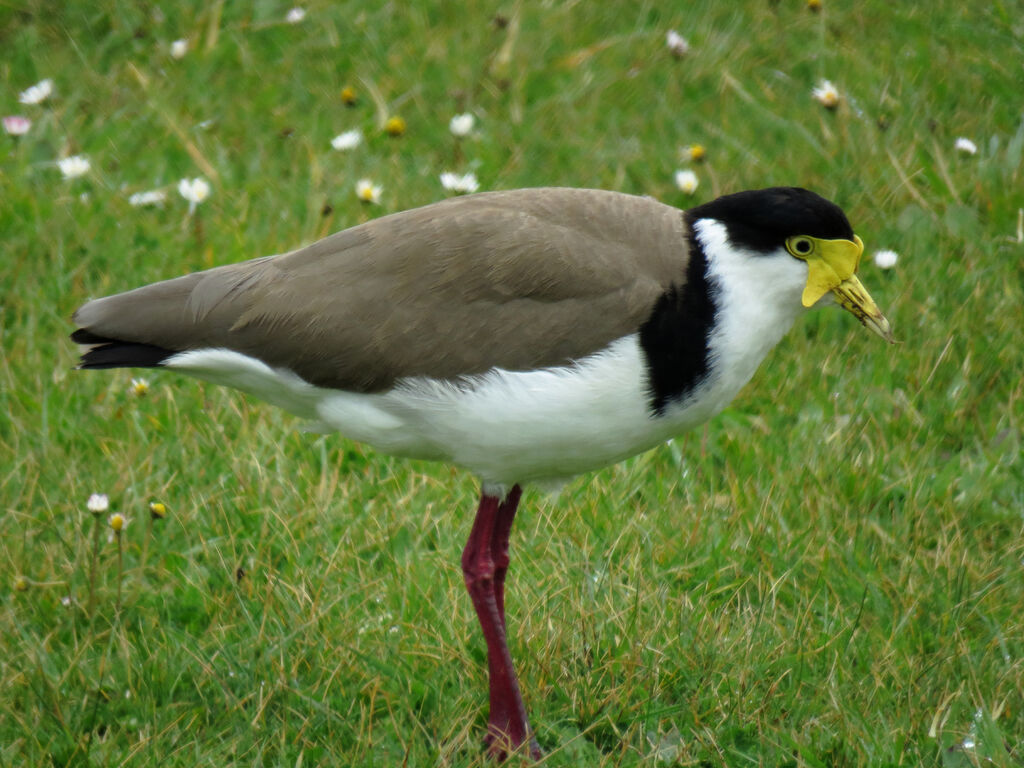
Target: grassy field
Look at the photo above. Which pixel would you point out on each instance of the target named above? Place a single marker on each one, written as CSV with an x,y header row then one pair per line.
x,y
830,574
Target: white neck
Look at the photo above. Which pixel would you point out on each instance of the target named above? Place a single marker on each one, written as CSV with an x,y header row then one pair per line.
x,y
758,299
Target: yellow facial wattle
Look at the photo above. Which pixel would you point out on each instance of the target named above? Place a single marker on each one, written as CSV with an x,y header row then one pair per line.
x,y
831,266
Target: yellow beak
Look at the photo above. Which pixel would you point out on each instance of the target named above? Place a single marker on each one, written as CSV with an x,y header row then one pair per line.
x,y
854,298
831,265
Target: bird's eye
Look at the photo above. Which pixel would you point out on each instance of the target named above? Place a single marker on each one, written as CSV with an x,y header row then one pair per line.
x,y
801,247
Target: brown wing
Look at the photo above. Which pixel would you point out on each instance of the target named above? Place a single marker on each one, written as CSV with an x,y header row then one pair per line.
x,y
520,280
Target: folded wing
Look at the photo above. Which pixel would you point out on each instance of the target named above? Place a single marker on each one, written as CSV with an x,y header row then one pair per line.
x,y
518,280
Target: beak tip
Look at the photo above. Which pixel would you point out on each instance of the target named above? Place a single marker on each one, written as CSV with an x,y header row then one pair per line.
x,y
881,326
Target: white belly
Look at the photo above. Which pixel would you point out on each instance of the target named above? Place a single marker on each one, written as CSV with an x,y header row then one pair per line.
x,y
506,427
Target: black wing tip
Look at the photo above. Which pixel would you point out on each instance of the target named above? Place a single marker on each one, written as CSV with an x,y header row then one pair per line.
x,y
111,353
84,336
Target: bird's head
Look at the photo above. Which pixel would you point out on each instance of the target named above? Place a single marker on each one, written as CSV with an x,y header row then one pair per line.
x,y
794,223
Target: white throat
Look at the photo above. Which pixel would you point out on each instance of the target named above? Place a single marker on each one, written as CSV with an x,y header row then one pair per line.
x,y
758,299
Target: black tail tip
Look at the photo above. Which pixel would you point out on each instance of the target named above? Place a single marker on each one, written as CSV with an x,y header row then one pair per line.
x,y
111,353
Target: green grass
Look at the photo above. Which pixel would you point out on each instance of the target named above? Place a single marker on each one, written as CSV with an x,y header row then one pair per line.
x,y
829,574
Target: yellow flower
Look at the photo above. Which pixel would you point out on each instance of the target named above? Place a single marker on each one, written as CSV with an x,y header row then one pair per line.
x,y
348,96
694,152
117,522
814,5
157,510
139,387
395,126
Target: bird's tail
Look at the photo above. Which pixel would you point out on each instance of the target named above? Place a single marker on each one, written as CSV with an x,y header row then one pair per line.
x,y
141,328
101,352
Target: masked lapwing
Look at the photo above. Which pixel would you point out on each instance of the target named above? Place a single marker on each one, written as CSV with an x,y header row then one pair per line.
x,y
526,336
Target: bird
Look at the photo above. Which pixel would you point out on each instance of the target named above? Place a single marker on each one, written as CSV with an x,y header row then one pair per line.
x,y
527,336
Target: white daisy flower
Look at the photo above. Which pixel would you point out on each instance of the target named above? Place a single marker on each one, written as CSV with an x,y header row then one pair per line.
x,y
826,94
16,125
139,387
98,503
152,197
677,44
74,166
295,15
38,93
194,191
460,184
886,259
347,140
179,48
966,146
687,181
462,125
367,191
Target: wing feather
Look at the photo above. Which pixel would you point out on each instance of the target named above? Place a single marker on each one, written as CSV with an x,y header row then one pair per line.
x,y
518,280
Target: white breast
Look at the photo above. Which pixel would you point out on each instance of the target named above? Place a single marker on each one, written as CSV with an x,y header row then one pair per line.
x,y
757,302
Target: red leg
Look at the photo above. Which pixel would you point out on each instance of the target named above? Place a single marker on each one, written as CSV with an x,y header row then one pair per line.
x,y
507,726
499,546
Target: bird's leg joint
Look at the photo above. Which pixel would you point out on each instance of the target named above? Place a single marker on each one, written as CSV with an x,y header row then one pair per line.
x,y
478,571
